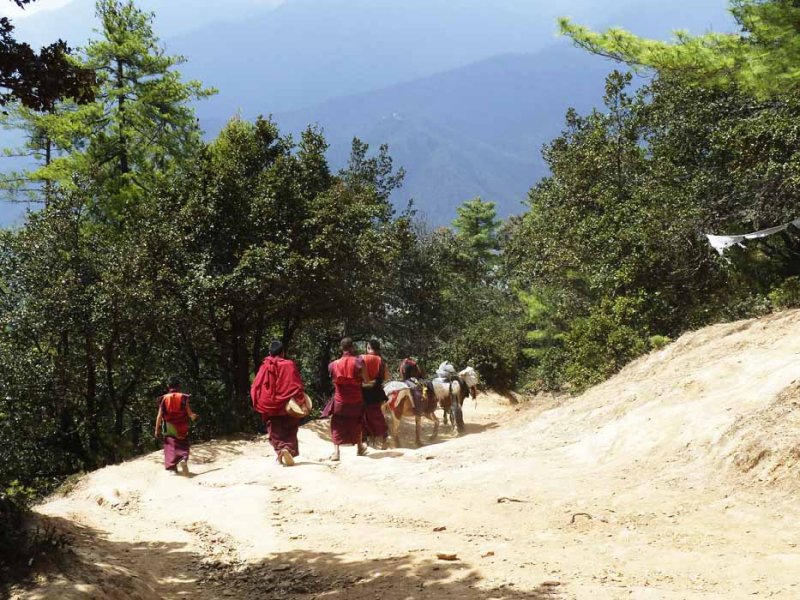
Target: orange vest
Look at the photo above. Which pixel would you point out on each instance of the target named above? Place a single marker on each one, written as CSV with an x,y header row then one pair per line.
x,y
174,412
373,363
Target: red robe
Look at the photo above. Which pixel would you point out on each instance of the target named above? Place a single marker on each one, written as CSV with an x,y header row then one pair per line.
x,y
175,416
348,403
278,381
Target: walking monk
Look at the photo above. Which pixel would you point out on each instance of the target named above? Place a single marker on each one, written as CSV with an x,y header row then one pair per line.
x,y
278,381
173,423
377,373
347,407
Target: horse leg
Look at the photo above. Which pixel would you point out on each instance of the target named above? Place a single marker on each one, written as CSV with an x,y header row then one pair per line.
x,y
393,426
458,414
418,423
435,420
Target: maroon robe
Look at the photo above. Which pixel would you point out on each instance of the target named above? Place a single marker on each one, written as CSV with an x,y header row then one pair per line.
x,y
282,431
175,450
347,409
175,422
374,421
278,381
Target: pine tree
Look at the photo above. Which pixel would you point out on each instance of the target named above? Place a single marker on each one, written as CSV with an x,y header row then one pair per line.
x,y
477,236
141,125
763,60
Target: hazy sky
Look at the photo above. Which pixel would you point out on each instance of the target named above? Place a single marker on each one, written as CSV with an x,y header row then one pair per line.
x,y
45,20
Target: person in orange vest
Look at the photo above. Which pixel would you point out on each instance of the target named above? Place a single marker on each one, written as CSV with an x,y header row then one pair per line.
x,y
278,382
346,408
172,422
378,373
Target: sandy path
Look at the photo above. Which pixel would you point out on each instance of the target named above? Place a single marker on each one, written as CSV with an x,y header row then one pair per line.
x,y
607,500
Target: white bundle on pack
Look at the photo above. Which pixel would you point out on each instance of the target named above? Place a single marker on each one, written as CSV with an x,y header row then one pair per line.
x,y
446,370
470,376
394,386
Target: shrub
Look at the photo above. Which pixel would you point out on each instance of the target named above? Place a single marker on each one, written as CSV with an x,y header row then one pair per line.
x,y
657,342
787,294
22,537
598,345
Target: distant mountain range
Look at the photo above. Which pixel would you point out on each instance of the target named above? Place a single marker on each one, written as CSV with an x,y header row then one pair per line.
x,y
476,129
473,131
465,92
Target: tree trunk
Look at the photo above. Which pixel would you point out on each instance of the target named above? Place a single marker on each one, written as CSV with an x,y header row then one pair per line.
x,y
289,329
48,156
258,345
92,408
240,366
224,361
322,381
123,141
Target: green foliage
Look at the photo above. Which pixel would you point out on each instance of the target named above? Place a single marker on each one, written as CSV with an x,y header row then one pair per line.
x,y
659,342
763,60
620,223
484,332
787,294
40,79
138,129
597,345
477,234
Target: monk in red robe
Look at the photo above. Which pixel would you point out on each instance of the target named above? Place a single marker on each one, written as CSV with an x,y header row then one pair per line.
x,y
172,422
346,409
277,382
377,373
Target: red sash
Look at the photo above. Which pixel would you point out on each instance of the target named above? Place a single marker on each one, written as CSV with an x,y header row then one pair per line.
x,y
346,376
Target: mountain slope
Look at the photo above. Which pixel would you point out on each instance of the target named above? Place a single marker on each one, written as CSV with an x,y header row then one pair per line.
x,y
675,479
476,130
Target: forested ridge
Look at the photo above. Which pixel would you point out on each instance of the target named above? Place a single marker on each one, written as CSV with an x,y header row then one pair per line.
x,y
156,253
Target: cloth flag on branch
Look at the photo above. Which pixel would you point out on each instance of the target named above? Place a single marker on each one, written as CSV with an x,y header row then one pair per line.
x,y
720,243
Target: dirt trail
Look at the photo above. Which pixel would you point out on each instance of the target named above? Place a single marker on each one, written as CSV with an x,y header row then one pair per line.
x,y
678,478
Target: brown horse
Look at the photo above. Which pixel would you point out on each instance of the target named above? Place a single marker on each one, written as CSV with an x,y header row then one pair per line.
x,y
401,404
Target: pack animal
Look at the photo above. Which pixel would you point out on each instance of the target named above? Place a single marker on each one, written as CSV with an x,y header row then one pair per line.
x,y
452,389
402,403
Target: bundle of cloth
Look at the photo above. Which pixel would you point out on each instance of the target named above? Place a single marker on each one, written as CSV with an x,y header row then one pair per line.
x,y
446,373
422,394
470,377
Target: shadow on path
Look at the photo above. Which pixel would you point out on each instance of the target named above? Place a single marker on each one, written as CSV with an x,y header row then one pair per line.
x,y
99,568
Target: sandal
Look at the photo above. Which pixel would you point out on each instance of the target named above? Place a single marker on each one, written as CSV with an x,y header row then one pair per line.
x,y
286,458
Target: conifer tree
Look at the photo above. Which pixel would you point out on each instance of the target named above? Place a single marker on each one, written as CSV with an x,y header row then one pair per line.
x,y
140,126
764,59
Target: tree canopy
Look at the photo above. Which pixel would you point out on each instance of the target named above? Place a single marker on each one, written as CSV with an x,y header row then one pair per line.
x,y
38,80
